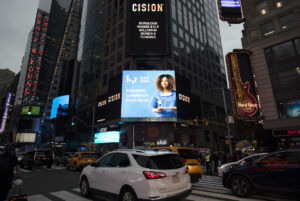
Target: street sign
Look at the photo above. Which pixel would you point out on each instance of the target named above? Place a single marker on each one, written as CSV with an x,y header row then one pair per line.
x,y
230,119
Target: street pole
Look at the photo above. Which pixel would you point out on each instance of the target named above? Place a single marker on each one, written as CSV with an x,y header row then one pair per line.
x,y
227,123
133,143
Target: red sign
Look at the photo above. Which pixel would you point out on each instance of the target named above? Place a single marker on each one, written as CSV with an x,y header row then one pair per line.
x,y
293,132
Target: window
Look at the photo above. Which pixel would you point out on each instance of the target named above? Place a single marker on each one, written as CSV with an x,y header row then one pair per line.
x,y
119,160
262,8
105,161
283,51
287,21
267,29
282,159
175,41
120,28
160,162
297,44
280,3
120,41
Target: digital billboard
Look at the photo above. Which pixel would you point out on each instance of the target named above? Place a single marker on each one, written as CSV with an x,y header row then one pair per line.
x,y
5,113
60,106
149,96
243,89
147,27
230,11
293,108
30,110
107,137
26,137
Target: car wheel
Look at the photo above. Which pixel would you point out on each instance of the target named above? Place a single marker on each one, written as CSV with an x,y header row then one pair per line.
x,y
85,187
128,195
240,186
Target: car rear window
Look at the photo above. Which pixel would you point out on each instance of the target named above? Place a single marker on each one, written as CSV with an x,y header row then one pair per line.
x,y
187,154
89,155
160,162
43,153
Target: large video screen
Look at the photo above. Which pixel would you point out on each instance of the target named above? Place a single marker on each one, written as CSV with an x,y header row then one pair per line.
x,y
26,137
60,106
149,96
30,110
293,108
230,10
107,137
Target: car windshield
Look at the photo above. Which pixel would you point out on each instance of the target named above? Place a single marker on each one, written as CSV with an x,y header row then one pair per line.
x,y
187,154
161,162
89,155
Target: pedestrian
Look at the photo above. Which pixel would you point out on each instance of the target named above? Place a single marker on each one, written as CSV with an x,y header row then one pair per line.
x,y
8,161
208,164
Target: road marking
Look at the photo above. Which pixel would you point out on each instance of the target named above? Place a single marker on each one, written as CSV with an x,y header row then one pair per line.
x,y
76,189
65,195
37,197
222,196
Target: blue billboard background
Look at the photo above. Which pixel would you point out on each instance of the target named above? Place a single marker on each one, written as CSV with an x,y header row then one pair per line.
x,y
293,108
138,90
107,137
60,106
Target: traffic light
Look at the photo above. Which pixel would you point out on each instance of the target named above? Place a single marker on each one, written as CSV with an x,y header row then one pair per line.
x,y
29,110
73,122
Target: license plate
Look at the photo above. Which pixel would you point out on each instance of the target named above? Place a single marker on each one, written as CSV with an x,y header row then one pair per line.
x,y
175,178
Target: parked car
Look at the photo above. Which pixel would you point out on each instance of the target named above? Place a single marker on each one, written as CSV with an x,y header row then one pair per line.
x,y
190,159
81,159
62,158
249,159
277,172
37,158
132,175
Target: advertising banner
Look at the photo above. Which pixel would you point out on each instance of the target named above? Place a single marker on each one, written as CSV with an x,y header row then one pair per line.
x,y
5,113
230,10
293,108
147,27
26,137
30,110
107,137
60,106
149,96
242,85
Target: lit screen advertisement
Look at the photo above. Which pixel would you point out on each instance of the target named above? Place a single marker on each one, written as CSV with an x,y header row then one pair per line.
x,y
293,108
147,27
26,137
107,137
149,96
60,106
230,10
5,113
30,110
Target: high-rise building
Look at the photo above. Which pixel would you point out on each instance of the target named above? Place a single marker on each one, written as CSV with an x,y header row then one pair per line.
x,y
190,44
272,34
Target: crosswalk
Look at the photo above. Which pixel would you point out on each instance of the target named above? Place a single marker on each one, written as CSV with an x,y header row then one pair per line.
x,y
54,167
211,182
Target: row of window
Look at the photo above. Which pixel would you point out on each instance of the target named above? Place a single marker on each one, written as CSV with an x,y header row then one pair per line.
x,y
262,7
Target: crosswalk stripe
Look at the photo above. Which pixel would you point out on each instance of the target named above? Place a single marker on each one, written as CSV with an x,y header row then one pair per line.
x,y
65,195
38,197
211,182
76,189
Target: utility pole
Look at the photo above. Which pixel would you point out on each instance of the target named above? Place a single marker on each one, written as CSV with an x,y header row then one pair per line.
x,y
227,123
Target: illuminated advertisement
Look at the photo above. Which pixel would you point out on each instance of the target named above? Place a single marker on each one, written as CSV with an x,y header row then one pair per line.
x,y
5,113
149,96
293,108
107,137
36,53
243,90
60,106
230,10
26,137
30,110
147,27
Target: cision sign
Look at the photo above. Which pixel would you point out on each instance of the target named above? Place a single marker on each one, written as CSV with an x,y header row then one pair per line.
x,y
147,27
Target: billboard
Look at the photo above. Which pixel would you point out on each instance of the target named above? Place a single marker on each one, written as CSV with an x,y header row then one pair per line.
x,y
149,96
60,106
5,113
230,11
242,85
293,108
26,137
30,110
107,137
147,27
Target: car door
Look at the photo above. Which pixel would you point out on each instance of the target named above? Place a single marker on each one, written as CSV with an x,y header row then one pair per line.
x,y
274,173
99,173
294,158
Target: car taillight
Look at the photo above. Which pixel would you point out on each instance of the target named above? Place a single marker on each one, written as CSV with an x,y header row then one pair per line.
x,y
154,175
34,156
187,170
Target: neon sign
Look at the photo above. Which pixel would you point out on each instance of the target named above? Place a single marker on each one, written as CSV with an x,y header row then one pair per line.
x,y
4,117
36,54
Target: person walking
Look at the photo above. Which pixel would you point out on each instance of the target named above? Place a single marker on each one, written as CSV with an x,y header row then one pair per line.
x,y
8,161
208,164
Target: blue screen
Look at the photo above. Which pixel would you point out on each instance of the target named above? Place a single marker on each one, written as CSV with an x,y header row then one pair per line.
x,y
107,137
59,106
293,108
140,95
230,3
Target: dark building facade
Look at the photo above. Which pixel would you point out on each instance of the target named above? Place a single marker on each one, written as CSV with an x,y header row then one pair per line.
x,y
271,33
191,46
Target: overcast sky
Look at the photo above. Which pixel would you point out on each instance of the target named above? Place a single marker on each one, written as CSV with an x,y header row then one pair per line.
x,y
17,18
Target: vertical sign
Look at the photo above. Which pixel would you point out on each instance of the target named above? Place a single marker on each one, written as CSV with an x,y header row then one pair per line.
x,y
230,10
147,27
36,54
242,85
4,117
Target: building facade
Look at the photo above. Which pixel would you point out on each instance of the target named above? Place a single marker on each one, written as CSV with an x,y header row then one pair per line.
x,y
272,34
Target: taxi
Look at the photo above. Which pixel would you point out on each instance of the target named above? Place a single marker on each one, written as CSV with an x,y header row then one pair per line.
x,y
81,159
190,159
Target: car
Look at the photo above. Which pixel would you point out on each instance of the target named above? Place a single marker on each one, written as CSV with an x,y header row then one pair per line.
x,y
81,159
130,175
38,158
249,159
62,158
190,159
277,172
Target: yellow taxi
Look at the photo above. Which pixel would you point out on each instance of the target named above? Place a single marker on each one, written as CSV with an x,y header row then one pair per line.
x,y
189,158
81,159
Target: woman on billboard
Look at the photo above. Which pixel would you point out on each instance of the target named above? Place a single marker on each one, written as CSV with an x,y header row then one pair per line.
x,y
164,101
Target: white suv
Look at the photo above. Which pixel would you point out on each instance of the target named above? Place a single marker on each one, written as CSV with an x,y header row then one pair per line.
x,y
130,175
